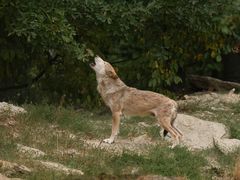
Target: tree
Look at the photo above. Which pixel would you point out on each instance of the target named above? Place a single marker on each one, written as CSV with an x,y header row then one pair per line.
x,y
153,40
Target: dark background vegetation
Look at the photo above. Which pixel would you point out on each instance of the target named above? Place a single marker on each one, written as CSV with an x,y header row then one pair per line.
x,y
153,44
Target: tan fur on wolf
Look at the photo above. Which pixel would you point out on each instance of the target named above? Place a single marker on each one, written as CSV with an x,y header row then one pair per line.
x,y
122,99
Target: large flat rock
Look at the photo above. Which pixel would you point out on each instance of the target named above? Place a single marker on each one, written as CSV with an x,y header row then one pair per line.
x,y
199,134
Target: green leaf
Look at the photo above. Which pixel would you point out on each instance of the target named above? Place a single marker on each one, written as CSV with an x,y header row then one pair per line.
x,y
218,58
225,30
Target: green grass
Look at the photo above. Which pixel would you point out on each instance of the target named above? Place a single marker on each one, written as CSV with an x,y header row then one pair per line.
x,y
154,132
234,122
7,145
164,161
49,128
84,122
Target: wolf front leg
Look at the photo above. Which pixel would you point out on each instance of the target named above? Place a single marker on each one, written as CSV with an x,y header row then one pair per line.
x,y
115,127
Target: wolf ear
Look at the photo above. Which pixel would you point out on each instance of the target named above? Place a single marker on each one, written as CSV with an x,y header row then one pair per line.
x,y
112,74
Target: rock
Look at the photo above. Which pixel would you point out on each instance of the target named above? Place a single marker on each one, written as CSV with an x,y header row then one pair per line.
x,y
8,114
199,134
60,168
134,170
11,109
13,168
138,144
70,152
227,145
129,170
209,99
72,136
29,151
143,124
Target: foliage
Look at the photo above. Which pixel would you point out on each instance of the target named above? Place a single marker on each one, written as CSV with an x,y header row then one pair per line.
x,y
157,41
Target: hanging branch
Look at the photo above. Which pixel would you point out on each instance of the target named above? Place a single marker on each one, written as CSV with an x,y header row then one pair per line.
x,y
121,61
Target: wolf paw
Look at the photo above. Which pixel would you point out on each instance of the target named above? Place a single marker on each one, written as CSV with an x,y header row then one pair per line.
x,y
109,140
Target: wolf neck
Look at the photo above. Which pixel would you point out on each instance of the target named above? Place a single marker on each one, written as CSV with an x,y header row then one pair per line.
x,y
109,85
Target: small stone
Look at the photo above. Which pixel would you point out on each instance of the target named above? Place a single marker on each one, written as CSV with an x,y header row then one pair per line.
x,y
11,123
13,168
72,136
231,91
11,109
70,152
130,170
186,97
54,126
143,124
135,170
29,151
60,168
227,145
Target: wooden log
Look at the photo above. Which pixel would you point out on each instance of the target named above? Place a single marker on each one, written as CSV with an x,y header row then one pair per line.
x,y
210,83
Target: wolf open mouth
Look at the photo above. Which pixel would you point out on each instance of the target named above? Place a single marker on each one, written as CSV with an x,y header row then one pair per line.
x,y
92,64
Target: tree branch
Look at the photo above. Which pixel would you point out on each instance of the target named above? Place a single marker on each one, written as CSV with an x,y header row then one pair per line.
x,y
51,61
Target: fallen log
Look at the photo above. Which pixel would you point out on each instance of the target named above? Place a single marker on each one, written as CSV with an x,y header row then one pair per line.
x,y
210,83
